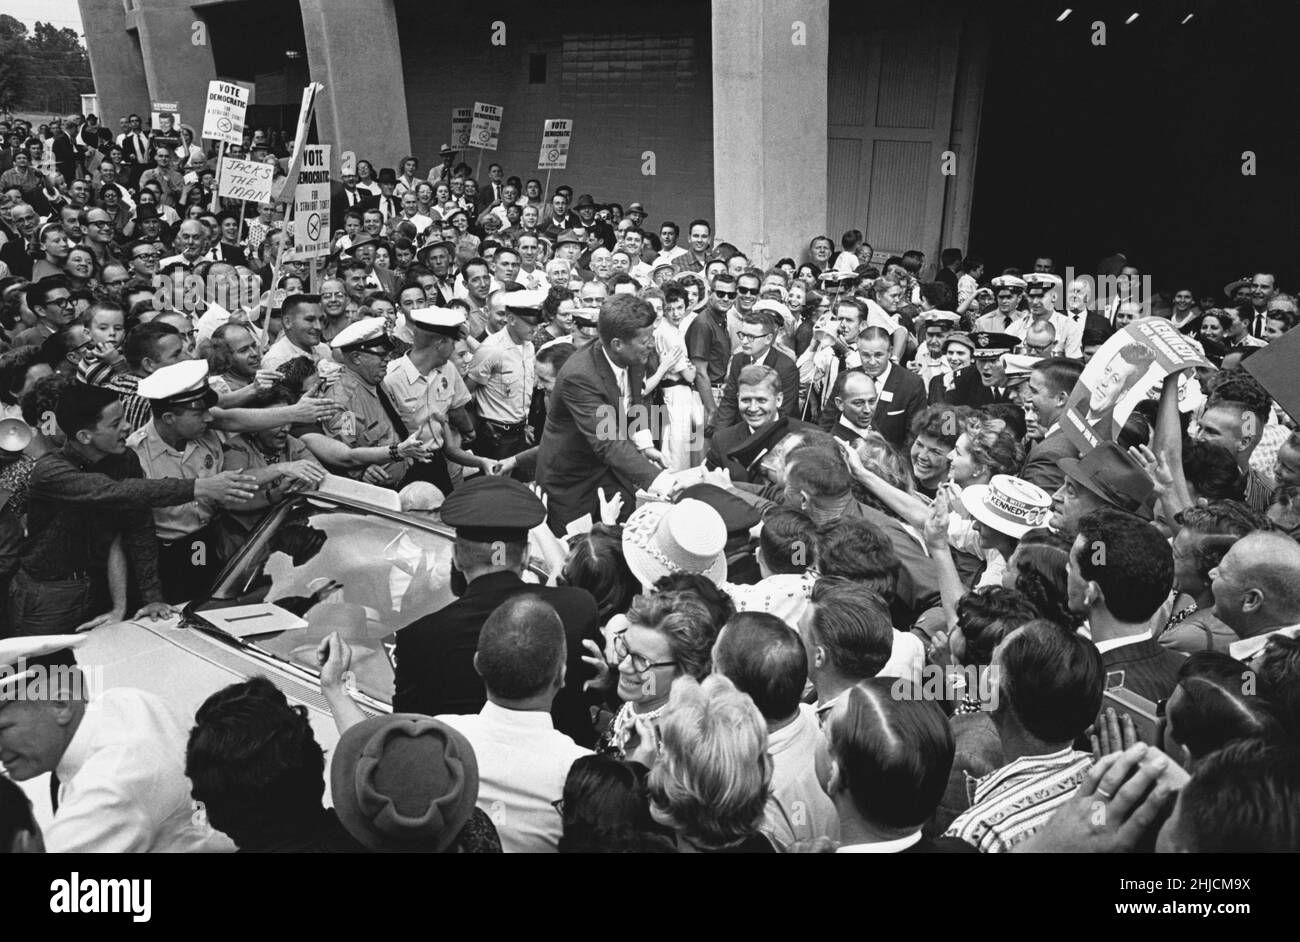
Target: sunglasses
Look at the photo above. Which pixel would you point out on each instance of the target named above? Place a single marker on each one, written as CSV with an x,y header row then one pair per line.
x,y
748,291
725,295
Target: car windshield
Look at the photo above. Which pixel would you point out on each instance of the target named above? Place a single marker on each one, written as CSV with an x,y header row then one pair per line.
x,y
318,568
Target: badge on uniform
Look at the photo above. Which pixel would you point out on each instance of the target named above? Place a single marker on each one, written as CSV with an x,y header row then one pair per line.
x,y
444,382
207,462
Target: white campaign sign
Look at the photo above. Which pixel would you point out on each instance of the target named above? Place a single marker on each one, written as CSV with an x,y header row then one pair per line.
x,y
461,118
555,144
311,203
223,118
245,180
485,130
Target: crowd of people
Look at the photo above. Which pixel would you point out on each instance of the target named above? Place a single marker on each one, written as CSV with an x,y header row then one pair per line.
x,y
823,568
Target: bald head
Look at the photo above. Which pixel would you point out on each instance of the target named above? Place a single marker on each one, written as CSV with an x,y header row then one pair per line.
x,y
1257,583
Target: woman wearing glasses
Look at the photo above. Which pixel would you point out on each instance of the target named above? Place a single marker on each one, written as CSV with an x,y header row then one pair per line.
x,y
666,636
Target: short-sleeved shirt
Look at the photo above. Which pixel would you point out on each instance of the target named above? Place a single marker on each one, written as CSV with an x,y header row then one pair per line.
x,y
204,457
506,374
243,454
707,339
284,350
418,396
363,423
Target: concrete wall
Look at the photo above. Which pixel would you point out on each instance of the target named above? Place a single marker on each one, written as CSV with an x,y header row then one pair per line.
x,y
115,61
633,78
769,124
352,50
176,69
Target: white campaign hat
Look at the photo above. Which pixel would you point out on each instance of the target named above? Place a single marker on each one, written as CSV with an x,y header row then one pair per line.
x,y
1008,504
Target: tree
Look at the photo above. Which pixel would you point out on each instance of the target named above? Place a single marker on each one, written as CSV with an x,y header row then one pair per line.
x,y
13,62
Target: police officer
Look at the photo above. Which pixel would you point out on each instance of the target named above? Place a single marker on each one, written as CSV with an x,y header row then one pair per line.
x,y
368,418
430,395
502,376
435,654
1008,290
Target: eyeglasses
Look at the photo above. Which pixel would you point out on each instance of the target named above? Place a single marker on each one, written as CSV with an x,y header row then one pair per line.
x,y
724,295
748,291
745,338
95,222
61,302
640,663
115,283
145,255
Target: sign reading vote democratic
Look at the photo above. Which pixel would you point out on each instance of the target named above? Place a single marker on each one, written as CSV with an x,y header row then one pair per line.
x,y
485,129
556,133
311,203
1123,372
245,180
223,118
461,118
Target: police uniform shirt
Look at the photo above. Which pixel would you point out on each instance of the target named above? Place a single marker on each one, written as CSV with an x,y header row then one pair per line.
x,y
362,423
505,372
122,783
417,396
202,458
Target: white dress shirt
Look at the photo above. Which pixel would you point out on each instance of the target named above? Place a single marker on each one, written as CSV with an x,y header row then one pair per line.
x,y
881,847
523,761
284,350
1247,649
122,783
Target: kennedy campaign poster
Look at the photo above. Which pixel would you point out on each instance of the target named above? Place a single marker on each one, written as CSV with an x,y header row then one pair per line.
x,y
1122,373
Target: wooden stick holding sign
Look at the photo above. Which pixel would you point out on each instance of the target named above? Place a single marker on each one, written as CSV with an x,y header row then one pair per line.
x,y
216,190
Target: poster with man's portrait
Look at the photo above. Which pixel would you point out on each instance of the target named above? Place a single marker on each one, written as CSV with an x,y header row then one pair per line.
x,y
1121,374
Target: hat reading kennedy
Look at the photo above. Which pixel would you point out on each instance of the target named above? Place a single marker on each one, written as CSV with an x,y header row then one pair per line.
x,y
1008,504
183,384
689,536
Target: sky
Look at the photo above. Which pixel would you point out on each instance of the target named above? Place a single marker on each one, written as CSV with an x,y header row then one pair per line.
x,y
59,12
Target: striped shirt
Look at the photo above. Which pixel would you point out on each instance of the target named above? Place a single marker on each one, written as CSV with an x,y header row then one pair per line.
x,y
1011,803
137,410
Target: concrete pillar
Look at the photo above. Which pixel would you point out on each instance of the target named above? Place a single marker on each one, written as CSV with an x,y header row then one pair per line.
x,y
363,105
769,124
177,69
115,62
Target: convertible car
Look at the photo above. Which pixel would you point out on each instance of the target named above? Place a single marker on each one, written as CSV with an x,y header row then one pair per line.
x,y
346,560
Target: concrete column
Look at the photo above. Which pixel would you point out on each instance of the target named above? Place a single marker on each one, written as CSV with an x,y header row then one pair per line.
x,y
769,124
363,105
115,62
177,70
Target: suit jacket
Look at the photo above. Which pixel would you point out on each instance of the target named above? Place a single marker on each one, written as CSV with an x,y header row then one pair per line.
x,y
739,452
388,280
339,204
435,654
789,373
1042,466
967,390
587,442
1149,668
901,398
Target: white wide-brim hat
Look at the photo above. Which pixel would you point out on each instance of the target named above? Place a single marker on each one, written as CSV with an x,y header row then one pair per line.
x,y
661,539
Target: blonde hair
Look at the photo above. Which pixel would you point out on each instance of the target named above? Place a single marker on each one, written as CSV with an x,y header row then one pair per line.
x,y
713,776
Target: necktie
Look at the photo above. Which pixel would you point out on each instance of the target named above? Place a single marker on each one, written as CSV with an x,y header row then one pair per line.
x,y
1258,330
54,792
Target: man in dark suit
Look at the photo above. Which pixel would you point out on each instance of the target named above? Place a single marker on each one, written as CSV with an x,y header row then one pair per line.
x,y
1050,384
741,447
1121,571
345,196
65,150
435,654
597,434
756,333
900,393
